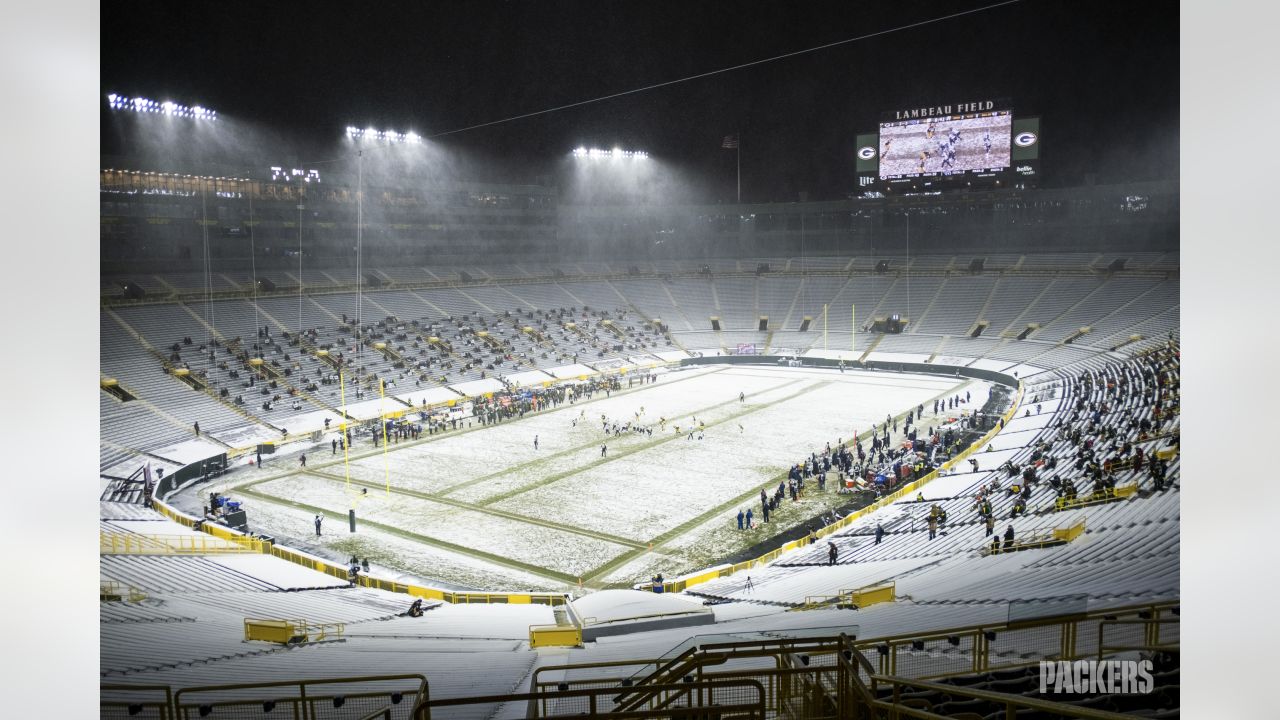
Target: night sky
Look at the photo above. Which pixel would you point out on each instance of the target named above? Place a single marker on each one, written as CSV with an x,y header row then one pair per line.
x,y
1103,77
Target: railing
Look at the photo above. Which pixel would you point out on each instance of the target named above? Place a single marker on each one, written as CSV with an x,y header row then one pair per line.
x,y
1043,539
966,649
126,543
116,591
817,678
978,648
286,632
820,677
895,705
856,597
743,699
1098,497
1155,633
358,697
148,702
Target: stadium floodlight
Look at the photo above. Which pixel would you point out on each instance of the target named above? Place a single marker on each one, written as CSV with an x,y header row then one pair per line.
x,y
389,136
168,107
615,153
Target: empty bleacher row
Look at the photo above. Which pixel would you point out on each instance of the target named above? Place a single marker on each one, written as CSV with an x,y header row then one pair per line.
x,y
233,279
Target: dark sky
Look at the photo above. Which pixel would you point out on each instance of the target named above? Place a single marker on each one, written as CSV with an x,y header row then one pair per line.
x,y
1103,76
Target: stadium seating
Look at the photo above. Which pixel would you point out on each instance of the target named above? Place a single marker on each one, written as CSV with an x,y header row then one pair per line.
x,y
189,626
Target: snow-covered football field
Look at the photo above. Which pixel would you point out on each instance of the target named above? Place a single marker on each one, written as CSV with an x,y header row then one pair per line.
x,y
482,508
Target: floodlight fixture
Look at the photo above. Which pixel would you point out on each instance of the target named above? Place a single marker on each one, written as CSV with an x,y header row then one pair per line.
x,y
371,134
615,153
168,107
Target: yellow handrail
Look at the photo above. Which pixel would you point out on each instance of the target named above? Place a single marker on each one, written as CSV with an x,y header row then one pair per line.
x,y
127,543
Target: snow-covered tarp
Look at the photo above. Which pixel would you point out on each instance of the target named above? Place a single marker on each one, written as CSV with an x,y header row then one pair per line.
x,y
429,396
474,388
529,378
190,451
619,605
565,372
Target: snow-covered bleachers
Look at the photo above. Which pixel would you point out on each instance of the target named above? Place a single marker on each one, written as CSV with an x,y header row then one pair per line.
x,y
817,291
1107,298
650,297
1075,261
451,300
1011,298
910,296
910,344
864,294
124,359
957,304
597,295
1056,296
775,296
737,302
818,262
155,573
1118,325
543,296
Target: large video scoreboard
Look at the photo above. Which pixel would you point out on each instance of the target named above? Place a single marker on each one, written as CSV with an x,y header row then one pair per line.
x,y
937,145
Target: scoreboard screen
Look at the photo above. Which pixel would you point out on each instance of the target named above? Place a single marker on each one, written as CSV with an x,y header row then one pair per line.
x,y
945,144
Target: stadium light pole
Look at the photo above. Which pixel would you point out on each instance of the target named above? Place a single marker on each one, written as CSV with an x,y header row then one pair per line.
x,y
908,268
301,206
208,271
253,265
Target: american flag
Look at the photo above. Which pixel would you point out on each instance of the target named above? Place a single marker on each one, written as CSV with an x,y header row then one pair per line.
x,y
730,142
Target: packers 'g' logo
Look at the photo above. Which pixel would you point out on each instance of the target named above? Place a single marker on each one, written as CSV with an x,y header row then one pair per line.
x,y
1025,139
866,152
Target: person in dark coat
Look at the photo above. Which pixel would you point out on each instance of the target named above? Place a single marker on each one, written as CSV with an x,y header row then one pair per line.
x,y
1008,537
879,533
740,516
319,520
832,553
